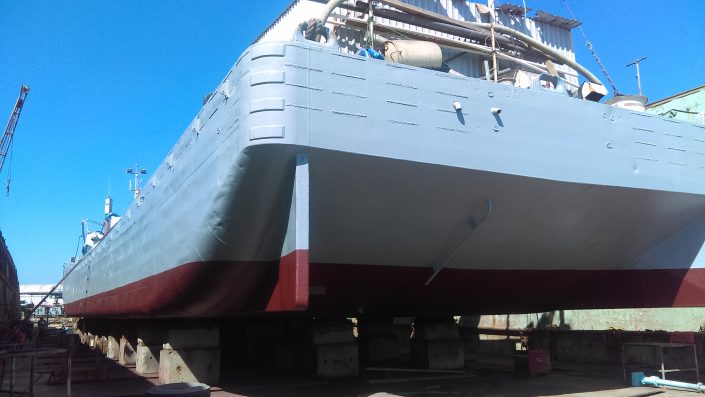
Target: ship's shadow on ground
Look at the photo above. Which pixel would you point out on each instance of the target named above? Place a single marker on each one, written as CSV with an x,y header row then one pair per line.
x,y
106,379
492,378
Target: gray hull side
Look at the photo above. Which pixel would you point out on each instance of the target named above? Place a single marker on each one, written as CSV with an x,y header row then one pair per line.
x,y
396,173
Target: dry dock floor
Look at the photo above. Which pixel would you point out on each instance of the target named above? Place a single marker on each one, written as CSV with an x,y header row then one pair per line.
x,y
485,377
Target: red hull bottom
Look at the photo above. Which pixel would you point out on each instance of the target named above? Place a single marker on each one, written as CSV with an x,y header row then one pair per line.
x,y
227,289
401,290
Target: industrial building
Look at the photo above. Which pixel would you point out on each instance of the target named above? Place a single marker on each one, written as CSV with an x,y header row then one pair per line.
x,y
686,106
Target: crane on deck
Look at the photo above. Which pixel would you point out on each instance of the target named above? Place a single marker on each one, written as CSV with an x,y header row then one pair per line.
x,y
6,141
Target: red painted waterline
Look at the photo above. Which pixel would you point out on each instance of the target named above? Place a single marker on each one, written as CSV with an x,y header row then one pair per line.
x,y
207,289
402,290
222,289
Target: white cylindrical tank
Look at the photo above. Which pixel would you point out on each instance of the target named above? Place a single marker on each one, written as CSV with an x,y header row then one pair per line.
x,y
423,54
630,102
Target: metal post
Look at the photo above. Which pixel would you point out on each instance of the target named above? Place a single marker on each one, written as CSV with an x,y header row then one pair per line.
x,y
638,75
68,369
663,368
12,377
490,4
624,366
695,357
31,376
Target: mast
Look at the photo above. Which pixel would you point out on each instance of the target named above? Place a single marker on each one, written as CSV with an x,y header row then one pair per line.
x,y
136,172
638,75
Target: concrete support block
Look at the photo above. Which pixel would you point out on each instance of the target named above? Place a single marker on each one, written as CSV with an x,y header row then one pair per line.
x,y
380,348
330,334
445,354
101,344
285,356
191,355
439,330
294,356
337,354
128,355
82,336
437,344
147,361
113,350
378,341
194,365
337,360
403,335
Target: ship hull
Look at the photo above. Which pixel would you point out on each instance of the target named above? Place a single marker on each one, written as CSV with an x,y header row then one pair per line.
x,y
379,228
9,285
301,188
349,290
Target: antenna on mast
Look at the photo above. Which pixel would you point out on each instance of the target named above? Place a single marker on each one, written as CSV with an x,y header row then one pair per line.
x,y
138,181
638,76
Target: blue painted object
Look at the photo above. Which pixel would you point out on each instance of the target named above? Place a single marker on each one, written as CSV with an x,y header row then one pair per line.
x,y
639,379
370,53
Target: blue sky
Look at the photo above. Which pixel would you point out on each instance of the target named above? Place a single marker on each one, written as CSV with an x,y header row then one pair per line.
x,y
118,82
